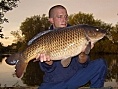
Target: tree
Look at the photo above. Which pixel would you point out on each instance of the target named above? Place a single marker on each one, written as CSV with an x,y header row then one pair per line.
x,y
1,35
81,18
31,26
2,49
115,34
6,5
18,36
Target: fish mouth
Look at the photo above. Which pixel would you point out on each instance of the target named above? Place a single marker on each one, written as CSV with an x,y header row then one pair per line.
x,y
104,31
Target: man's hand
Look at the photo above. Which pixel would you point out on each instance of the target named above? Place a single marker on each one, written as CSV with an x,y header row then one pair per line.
x,y
44,58
83,57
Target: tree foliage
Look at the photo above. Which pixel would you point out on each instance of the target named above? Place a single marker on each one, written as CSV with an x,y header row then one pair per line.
x,y
6,5
31,26
18,36
81,18
115,33
1,47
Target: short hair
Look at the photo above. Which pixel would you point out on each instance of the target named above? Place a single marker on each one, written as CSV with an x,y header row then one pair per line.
x,y
54,7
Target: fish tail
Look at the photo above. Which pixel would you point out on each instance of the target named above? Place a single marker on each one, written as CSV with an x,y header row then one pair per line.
x,y
13,59
20,68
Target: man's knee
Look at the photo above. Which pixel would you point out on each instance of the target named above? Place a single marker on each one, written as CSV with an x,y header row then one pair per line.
x,y
101,64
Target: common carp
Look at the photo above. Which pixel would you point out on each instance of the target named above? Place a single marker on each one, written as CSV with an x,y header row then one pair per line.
x,y
59,44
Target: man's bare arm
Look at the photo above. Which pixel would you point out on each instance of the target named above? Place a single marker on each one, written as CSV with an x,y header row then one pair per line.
x,y
82,57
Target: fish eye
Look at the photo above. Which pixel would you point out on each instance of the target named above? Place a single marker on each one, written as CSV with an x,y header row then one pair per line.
x,y
97,29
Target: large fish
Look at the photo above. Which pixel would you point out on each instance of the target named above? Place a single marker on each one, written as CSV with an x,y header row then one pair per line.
x,y
59,44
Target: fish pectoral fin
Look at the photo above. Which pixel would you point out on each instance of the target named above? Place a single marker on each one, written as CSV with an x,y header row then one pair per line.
x,y
66,62
20,68
88,48
92,45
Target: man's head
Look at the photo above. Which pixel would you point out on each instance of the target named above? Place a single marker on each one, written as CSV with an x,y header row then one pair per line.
x,y
58,16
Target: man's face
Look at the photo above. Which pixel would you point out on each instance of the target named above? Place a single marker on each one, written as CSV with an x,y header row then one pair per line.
x,y
59,18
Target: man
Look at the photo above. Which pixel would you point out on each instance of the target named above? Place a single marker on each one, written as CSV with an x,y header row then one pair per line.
x,y
80,71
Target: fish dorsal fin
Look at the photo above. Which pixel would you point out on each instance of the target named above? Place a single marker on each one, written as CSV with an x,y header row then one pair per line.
x,y
38,35
66,62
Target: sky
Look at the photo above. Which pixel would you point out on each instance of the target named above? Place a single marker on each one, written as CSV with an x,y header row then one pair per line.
x,y
105,10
